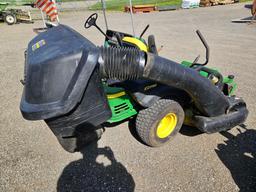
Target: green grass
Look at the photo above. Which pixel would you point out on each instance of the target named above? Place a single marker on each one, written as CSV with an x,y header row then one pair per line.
x,y
242,1
68,0
118,5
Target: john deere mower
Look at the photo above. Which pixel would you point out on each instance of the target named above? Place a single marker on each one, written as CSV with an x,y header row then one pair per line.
x,y
77,87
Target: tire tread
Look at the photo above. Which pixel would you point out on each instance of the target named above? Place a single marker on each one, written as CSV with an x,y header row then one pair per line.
x,y
148,116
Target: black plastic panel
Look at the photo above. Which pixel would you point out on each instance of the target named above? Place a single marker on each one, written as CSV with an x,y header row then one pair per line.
x,y
59,65
92,111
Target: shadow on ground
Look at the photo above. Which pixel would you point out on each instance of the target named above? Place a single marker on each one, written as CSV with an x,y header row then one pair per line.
x,y
88,175
190,131
239,155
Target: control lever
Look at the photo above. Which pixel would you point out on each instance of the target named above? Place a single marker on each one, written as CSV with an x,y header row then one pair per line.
x,y
144,31
207,49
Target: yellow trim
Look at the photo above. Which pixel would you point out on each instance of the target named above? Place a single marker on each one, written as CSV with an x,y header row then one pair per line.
x,y
116,95
150,87
167,125
136,42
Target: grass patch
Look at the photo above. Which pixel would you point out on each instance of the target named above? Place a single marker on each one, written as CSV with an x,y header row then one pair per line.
x,y
118,5
242,1
68,0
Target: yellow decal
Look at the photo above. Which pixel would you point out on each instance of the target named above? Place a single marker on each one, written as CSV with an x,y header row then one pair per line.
x,y
150,87
136,42
116,95
38,45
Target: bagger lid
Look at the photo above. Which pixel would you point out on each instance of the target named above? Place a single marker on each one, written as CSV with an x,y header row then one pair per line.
x,y
59,64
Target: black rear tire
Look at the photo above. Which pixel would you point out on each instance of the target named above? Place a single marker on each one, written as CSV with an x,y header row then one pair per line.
x,y
10,19
148,121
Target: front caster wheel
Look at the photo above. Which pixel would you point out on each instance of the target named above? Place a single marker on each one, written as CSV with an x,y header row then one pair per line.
x,y
157,124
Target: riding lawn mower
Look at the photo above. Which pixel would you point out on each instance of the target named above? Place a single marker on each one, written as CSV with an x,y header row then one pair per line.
x,y
77,87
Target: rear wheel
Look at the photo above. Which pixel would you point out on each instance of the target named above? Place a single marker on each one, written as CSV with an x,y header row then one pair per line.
x,y
159,123
10,19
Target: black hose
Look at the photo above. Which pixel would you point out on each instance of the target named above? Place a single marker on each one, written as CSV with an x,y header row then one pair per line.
x,y
124,63
121,63
208,98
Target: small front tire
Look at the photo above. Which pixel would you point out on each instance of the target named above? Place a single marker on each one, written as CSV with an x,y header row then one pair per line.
x,y
159,123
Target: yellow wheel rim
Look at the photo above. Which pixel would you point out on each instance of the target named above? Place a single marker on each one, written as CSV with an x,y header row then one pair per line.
x,y
166,125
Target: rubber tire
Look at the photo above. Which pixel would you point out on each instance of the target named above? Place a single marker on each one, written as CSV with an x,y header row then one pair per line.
x,y
13,16
148,119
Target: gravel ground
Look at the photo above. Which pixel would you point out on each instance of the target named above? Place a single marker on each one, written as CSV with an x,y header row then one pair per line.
x,y
32,160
